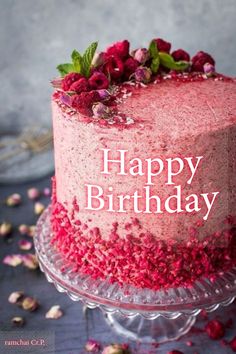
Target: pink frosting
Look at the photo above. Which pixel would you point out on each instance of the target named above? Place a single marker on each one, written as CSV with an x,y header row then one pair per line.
x,y
193,119
170,119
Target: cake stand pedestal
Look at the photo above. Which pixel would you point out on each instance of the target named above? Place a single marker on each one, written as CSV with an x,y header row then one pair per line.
x,y
138,314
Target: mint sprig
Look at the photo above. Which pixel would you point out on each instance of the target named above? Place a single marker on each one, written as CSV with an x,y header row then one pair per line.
x,y
154,55
164,59
168,62
80,63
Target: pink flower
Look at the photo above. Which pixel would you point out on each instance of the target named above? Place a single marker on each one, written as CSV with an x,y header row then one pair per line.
x,y
200,59
130,66
80,85
69,79
141,55
98,81
209,69
120,49
162,45
113,67
180,54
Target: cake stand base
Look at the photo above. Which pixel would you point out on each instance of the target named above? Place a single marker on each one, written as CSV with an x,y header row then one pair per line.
x,y
159,330
138,314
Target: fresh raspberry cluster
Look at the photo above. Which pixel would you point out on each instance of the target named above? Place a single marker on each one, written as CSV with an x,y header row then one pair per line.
x,y
118,64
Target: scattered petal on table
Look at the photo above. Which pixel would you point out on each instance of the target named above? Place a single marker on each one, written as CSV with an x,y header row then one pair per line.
x,y
5,228
17,321
54,312
25,245
13,200
38,208
116,349
13,260
33,193
29,304
15,297
30,261
23,229
92,346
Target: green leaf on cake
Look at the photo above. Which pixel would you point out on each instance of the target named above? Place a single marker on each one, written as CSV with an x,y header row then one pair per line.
x,y
154,55
87,58
65,69
168,62
153,50
80,63
77,61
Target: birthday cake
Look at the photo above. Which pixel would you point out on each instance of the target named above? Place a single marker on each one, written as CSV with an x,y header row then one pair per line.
x,y
145,165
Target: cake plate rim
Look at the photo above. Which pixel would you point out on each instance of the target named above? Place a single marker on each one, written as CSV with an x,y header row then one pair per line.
x,y
128,300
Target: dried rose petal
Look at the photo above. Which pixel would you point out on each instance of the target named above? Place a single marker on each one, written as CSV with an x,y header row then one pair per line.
x,y
116,349
25,245
31,231
18,321
13,200
47,192
5,229
54,312
33,193
13,260
38,208
15,297
23,229
92,346
30,261
29,304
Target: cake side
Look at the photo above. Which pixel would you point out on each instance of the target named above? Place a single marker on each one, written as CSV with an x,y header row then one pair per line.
x,y
145,183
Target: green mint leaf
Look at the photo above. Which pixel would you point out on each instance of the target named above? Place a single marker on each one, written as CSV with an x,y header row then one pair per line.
x,y
155,64
77,61
65,68
154,55
88,57
153,50
168,62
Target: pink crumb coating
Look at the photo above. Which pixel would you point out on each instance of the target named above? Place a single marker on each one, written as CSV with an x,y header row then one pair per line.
x,y
140,260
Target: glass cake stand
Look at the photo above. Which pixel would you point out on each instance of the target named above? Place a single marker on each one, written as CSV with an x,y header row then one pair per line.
x,y
138,314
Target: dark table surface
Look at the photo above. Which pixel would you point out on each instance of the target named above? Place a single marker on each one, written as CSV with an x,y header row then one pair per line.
x,y
72,330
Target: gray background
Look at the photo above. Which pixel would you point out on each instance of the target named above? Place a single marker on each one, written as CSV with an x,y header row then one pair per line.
x,y
35,36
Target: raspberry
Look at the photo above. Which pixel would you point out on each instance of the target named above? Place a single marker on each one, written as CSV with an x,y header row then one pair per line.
x,y
69,79
120,49
80,85
162,45
215,329
232,343
85,99
180,54
114,67
200,59
98,81
130,66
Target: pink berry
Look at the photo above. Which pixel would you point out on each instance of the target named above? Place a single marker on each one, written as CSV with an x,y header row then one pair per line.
x,y
69,79
162,45
98,81
80,85
120,49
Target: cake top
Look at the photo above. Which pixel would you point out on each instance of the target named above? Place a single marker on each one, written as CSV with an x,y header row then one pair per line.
x,y
95,85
